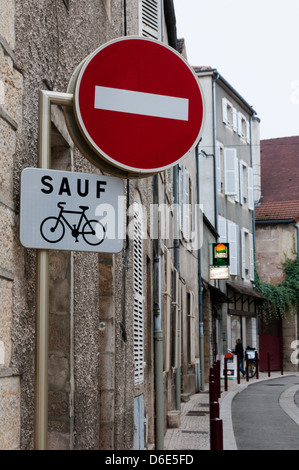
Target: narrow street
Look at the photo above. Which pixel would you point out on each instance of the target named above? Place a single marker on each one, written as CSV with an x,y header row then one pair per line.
x,y
260,414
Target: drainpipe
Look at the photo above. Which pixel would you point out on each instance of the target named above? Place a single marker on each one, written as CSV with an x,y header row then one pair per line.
x,y
176,265
158,333
214,144
200,293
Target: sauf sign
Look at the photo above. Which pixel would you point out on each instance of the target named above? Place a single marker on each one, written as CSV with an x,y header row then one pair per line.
x,y
71,211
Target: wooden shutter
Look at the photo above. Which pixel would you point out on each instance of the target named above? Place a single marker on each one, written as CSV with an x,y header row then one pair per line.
x,y
251,257
230,169
250,189
138,298
150,19
243,253
232,235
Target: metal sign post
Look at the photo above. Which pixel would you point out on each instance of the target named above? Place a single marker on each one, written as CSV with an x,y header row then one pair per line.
x,y
46,98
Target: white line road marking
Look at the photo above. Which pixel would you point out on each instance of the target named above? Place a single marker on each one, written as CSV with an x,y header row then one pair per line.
x,y
136,102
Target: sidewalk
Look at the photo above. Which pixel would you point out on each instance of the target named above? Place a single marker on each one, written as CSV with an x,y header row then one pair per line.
x,y
194,430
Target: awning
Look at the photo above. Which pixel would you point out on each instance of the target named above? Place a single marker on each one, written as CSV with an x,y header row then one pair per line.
x,y
216,293
246,290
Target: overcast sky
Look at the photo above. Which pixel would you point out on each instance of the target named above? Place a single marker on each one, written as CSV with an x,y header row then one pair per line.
x,y
255,47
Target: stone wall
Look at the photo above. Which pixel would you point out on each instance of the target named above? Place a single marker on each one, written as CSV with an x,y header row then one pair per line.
x,y
11,87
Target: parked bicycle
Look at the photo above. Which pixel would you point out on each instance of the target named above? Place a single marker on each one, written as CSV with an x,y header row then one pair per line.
x,y
53,228
251,361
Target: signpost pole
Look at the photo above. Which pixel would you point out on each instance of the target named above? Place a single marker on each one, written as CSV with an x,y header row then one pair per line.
x,y
42,278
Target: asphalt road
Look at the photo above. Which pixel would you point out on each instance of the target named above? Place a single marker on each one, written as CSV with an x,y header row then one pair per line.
x,y
259,422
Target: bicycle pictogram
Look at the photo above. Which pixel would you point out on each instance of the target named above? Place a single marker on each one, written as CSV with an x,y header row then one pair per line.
x,y
53,228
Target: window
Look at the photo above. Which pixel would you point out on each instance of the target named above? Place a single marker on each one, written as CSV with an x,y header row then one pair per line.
x,y
250,189
230,172
247,252
232,238
227,112
150,19
186,203
243,127
138,296
219,167
167,309
191,332
243,182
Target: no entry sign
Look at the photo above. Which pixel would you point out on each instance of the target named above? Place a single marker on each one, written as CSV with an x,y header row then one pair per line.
x,y
139,105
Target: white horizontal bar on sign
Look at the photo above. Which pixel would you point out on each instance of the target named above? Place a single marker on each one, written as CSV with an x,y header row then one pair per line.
x,y
146,104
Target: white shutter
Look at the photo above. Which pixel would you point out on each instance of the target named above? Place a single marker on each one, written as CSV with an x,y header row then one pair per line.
x,y
168,301
230,169
240,131
250,189
150,19
247,132
186,208
138,298
241,183
191,328
222,229
251,257
235,120
232,236
243,253
218,168
224,111
237,176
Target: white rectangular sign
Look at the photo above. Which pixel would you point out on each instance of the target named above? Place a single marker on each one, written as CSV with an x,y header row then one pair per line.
x,y
219,272
146,104
62,210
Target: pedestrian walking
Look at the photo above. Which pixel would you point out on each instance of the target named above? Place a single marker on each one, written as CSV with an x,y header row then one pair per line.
x,y
239,350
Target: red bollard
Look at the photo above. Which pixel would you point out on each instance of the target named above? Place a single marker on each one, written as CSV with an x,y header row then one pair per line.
x,y
225,374
238,368
257,364
216,437
269,373
212,391
214,410
247,368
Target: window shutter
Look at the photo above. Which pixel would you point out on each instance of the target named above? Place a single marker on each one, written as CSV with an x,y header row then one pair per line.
x,y
241,168
224,110
237,176
250,189
168,301
222,229
138,298
247,132
240,131
232,234
235,120
243,252
191,328
230,169
218,168
186,208
251,257
150,19
177,326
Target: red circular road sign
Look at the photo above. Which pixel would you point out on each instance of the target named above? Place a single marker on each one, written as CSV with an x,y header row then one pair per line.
x,y
139,104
